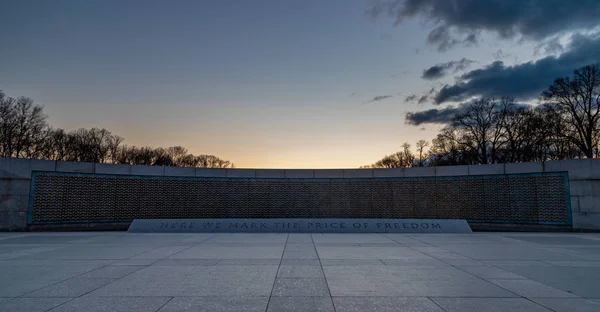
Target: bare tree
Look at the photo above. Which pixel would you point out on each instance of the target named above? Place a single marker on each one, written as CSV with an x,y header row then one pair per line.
x,y
578,102
421,145
446,150
481,130
22,126
402,159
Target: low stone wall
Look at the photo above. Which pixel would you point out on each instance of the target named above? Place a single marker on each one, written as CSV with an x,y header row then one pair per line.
x,y
16,193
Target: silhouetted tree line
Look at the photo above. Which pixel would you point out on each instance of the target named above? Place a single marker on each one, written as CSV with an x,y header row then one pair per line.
x,y
24,132
565,125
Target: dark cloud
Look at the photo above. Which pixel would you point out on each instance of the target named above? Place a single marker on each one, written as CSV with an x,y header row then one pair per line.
x,y
442,69
436,116
523,81
442,36
379,98
410,98
460,21
440,115
423,99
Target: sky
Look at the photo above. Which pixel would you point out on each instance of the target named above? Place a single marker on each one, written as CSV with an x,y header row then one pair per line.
x,y
285,84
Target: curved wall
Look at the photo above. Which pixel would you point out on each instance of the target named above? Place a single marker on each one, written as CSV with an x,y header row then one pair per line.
x,y
41,192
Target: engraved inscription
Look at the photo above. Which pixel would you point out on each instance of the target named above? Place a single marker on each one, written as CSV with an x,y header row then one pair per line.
x,y
305,225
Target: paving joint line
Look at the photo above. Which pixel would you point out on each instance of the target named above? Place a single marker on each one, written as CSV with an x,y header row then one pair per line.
x,y
277,273
437,304
323,272
162,306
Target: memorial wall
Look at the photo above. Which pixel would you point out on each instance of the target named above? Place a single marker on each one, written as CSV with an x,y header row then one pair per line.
x,y
35,193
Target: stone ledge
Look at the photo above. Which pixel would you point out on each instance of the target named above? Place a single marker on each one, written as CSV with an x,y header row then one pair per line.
x,y
299,173
579,169
527,167
270,173
211,172
180,171
15,168
451,171
388,173
240,173
112,169
329,173
358,173
486,169
419,172
77,167
148,170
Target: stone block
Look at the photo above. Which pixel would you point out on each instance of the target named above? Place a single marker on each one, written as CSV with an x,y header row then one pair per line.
x,y
388,173
586,220
241,173
526,167
148,170
574,204
5,168
358,173
579,169
15,168
211,172
180,171
13,187
584,187
486,169
112,169
14,203
589,203
445,171
299,173
329,173
270,173
72,166
595,172
43,165
13,220
419,172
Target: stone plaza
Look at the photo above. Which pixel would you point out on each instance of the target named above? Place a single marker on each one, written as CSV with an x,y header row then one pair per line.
x,y
118,271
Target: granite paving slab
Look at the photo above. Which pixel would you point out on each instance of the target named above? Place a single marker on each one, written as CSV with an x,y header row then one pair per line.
x,y
31,304
115,271
301,304
113,304
489,305
216,303
385,304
